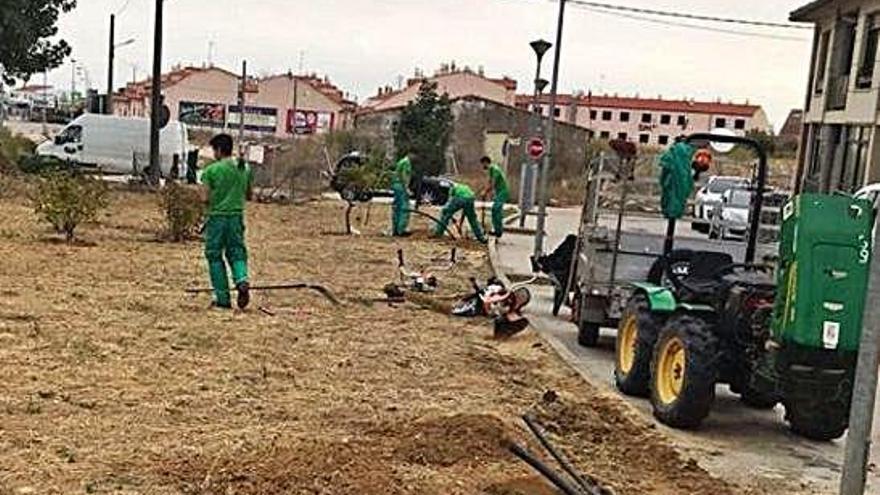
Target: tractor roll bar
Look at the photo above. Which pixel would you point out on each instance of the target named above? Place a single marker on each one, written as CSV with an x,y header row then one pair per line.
x,y
757,199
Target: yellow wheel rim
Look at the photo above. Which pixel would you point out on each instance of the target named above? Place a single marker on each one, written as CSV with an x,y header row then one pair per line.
x,y
669,377
626,344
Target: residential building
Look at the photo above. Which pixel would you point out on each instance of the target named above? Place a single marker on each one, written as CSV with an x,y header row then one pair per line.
x,y
450,81
648,121
841,139
790,133
207,97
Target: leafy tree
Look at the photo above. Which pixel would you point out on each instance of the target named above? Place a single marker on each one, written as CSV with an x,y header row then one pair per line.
x,y
765,139
26,27
425,128
184,211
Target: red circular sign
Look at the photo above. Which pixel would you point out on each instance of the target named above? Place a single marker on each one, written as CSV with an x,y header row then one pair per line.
x,y
535,148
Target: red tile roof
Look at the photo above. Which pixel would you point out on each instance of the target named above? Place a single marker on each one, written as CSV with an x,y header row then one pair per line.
x,y
654,104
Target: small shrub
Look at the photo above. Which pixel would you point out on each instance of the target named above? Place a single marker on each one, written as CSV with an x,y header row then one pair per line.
x,y
65,200
13,150
183,209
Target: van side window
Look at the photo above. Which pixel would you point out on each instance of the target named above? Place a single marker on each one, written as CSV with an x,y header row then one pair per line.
x,y
72,134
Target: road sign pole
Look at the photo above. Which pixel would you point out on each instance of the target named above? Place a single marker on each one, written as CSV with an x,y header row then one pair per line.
x,y
551,127
858,440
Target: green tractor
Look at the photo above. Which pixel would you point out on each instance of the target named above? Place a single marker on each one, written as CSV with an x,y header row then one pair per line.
x,y
784,334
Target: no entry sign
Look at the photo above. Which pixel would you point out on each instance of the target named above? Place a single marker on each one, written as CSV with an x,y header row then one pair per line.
x,y
535,148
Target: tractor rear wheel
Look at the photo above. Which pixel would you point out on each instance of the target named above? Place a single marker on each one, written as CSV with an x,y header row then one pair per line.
x,y
683,371
636,335
816,420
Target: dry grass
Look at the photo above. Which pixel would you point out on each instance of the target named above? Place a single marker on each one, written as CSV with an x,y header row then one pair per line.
x,y
115,382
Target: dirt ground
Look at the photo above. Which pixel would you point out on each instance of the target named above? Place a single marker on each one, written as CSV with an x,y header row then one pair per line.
x,y
115,381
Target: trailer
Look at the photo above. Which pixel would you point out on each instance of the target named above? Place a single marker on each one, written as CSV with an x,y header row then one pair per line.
x,y
619,246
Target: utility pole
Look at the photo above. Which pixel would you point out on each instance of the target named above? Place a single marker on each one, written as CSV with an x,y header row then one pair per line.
x,y
72,79
551,149
108,104
156,96
858,440
241,102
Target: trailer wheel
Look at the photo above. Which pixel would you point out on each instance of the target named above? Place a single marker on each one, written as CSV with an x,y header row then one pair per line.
x,y
588,334
817,420
683,372
589,310
636,335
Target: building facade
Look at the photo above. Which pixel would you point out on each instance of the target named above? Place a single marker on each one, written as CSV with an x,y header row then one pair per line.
x,y
280,106
840,139
649,122
452,82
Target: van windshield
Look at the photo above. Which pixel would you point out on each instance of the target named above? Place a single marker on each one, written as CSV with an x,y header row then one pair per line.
x,y
72,134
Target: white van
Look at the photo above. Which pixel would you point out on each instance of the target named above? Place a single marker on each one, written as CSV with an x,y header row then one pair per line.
x,y
119,145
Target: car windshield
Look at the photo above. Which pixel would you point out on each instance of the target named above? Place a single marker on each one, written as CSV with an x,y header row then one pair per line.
x,y
719,186
741,198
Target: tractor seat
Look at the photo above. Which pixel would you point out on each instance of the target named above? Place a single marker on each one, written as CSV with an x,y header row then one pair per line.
x,y
703,281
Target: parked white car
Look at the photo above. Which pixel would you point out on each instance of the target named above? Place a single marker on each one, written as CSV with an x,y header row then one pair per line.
x,y
730,218
709,196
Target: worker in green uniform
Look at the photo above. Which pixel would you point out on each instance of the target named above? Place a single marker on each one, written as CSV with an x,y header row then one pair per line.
x,y
500,191
461,197
228,185
400,187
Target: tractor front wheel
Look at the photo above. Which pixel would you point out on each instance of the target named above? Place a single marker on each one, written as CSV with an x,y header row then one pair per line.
x,y
816,420
636,335
684,371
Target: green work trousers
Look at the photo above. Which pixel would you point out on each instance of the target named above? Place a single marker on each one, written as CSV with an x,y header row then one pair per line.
x,y
399,209
498,213
454,206
224,238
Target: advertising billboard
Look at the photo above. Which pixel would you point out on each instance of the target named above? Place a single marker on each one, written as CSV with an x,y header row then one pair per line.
x,y
199,114
303,122
257,119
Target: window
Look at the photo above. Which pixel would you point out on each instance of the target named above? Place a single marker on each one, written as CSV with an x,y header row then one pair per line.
x,y
666,119
682,121
869,52
647,118
593,114
622,136
557,112
739,124
624,116
72,134
663,140
855,159
720,122
822,61
644,138
606,115
538,109
605,135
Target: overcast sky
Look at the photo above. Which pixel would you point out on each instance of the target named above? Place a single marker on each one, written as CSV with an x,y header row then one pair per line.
x,y
363,44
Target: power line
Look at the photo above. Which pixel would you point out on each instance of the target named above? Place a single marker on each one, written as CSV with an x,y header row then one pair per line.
x,y
124,6
695,26
683,15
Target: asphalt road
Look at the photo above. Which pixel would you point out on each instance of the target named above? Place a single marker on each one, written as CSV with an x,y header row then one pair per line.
x,y
737,443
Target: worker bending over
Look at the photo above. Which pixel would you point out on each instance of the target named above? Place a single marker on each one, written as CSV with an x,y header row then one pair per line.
x,y
500,191
461,197
228,185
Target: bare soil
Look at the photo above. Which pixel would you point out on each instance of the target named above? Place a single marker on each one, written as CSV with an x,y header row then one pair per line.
x,y
115,381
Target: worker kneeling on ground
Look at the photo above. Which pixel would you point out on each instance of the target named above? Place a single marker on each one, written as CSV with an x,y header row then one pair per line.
x,y
228,182
500,192
461,197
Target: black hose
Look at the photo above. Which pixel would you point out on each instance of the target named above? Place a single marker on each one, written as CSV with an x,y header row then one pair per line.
x,y
557,480
590,488
435,220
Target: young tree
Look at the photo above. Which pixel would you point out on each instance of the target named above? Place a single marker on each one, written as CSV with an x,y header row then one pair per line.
x,y
26,29
425,127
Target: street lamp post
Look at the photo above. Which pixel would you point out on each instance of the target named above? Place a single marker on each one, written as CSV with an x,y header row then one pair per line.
x,y
551,127
108,104
156,96
529,170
